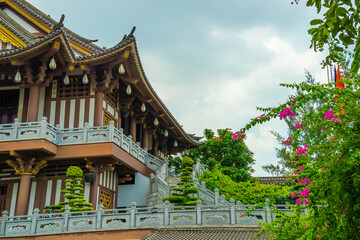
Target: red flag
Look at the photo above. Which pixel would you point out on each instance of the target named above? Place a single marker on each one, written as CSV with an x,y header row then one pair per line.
x,y
339,83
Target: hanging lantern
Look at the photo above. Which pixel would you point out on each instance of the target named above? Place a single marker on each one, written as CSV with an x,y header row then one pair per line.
x,y
52,64
175,144
128,90
166,133
17,77
66,80
143,107
156,122
85,79
121,69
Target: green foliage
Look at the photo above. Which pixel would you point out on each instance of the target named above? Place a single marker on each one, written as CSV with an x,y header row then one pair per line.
x,y
284,153
72,194
338,29
223,152
246,192
74,171
331,162
181,196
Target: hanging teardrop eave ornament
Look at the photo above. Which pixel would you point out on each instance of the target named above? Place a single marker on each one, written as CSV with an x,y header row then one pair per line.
x,y
85,79
128,90
166,133
66,80
17,77
175,143
143,107
52,64
156,122
121,69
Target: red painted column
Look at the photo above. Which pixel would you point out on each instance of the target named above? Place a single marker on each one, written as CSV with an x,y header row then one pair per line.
x,y
98,113
94,189
156,146
133,128
23,196
145,140
33,103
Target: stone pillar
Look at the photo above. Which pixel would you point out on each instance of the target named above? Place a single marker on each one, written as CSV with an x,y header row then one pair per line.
x,y
25,169
133,128
145,140
98,113
33,103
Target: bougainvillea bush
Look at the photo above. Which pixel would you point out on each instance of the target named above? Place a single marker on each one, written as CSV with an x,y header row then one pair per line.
x,y
246,192
326,168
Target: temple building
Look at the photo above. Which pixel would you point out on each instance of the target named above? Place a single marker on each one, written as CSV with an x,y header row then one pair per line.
x,y
66,101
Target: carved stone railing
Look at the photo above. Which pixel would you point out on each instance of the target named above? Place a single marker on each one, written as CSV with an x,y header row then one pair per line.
x,y
134,217
60,136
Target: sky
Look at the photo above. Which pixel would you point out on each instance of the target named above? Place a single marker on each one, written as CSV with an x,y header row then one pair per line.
x,y
211,62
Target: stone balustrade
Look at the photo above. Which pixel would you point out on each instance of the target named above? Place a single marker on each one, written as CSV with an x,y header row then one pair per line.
x,y
135,217
60,136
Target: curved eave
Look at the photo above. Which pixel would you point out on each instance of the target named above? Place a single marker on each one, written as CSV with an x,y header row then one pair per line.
x,y
18,53
161,106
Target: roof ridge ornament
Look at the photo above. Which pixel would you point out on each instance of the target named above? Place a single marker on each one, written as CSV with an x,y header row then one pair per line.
x,y
58,25
132,31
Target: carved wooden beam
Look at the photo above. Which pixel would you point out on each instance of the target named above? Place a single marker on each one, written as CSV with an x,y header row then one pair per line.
x,y
54,49
28,75
125,179
41,75
26,167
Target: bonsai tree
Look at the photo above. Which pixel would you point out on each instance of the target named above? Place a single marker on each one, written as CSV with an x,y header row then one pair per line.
x,y
181,195
72,192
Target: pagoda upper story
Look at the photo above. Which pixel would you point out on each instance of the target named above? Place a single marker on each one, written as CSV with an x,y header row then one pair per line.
x,y
71,81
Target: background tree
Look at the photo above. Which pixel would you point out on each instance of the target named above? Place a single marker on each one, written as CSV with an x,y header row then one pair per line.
x,y
227,152
181,195
72,192
289,145
338,29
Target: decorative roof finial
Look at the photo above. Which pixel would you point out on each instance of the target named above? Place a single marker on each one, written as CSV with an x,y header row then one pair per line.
x,y
132,31
59,25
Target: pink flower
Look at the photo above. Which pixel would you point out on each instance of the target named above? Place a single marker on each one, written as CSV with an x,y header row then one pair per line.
x,y
238,135
306,202
329,115
292,104
301,151
324,169
261,116
304,193
298,201
297,125
323,131
292,97
300,168
285,113
295,173
307,182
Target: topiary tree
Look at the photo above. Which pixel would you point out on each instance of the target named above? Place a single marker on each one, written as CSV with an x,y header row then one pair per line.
x,y
72,192
182,194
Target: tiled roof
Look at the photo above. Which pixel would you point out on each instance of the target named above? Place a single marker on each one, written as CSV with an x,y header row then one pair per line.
x,y
51,23
218,233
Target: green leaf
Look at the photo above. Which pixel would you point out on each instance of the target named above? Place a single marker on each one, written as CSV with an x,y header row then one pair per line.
x,y
316,22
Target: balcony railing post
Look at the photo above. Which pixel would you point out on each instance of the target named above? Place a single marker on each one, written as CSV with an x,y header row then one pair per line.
x,y
86,128
4,217
16,126
34,219
267,211
232,212
43,127
111,131
99,216
198,212
132,214
216,200
166,213
66,218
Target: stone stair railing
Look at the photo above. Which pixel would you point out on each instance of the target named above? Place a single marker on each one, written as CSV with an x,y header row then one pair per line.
x,y
69,136
134,217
